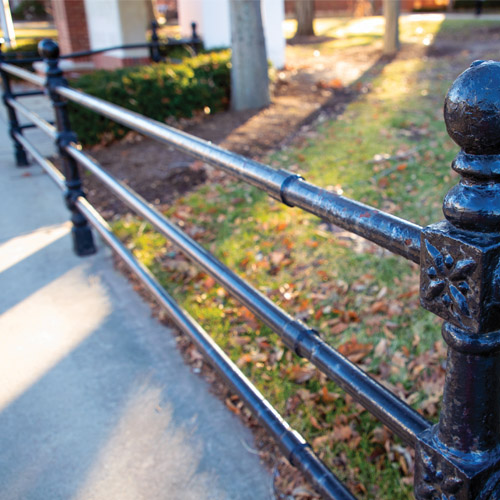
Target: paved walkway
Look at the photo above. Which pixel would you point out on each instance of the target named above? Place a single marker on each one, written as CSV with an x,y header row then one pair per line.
x,y
95,401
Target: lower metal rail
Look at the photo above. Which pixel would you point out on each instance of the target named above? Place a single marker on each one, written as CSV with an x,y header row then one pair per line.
x,y
390,232
291,443
36,119
394,413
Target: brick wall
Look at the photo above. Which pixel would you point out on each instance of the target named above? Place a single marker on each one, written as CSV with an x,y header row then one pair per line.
x,y
170,5
71,23
109,62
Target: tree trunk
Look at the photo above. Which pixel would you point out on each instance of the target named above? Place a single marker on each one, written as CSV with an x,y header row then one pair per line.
x,y
304,12
391,33
249,70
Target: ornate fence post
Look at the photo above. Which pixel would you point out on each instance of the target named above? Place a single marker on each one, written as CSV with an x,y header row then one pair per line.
x,y
83,242
195,39
154,48
459,458
21,157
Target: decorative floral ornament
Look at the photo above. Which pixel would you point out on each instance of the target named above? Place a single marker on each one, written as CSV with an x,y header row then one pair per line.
x,y
449,281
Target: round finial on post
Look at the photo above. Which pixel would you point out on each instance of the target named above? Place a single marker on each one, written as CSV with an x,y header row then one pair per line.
x,y
194,34
154,31
472,117
472,109
48,49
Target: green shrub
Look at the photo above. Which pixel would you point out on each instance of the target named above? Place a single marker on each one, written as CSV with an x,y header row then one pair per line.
x,y
28,45
30,10
159,91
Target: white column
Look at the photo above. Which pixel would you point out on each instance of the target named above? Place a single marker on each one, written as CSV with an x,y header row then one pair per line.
x,y
7,26
212,20
191,11
117,22
273,16
216,24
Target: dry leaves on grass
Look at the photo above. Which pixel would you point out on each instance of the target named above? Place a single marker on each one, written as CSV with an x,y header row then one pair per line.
x,y
354,350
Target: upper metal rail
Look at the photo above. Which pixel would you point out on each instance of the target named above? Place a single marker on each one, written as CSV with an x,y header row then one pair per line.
x,y
388,231
146,45
394,234
83,53
23,74
155,43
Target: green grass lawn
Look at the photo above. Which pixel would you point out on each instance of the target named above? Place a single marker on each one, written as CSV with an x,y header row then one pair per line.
x,y
35,33
357,32
388,149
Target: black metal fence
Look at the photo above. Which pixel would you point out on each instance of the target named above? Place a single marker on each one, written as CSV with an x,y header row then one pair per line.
x,y
158,48
456,459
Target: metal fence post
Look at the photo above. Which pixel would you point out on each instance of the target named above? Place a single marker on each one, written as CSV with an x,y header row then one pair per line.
x,y
459,458
83,242
154,48
21,157
195,39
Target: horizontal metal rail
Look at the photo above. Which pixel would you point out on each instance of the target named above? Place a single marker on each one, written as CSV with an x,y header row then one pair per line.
x,y
18,54
85,53
24,60
394,413
291,443
23,74
397,235
147,45
19,58
47,165
390,232
27,126
28,93
298,452
37,120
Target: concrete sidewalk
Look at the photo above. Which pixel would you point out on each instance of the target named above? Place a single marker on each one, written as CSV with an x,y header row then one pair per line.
x,y
95,400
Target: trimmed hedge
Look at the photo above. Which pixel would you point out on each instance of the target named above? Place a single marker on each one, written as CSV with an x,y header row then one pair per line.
x,y
26,48
160,91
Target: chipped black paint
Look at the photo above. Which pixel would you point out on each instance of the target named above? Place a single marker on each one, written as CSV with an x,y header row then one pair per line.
x,y
459,458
